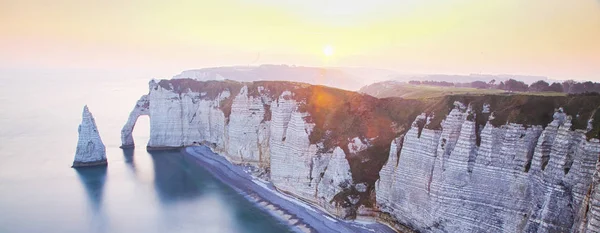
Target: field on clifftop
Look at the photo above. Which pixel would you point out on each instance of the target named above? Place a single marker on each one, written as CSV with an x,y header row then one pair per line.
x,y
410,91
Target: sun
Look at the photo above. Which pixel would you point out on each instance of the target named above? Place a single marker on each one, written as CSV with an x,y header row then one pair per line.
x,y
328,50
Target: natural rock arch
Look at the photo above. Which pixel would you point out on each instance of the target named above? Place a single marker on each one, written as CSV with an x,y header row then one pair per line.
x,y
142,107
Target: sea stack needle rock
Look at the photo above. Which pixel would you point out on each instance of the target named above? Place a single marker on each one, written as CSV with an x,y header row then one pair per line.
x,y
90,149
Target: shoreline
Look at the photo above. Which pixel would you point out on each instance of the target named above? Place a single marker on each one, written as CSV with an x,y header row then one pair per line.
x,y
299,215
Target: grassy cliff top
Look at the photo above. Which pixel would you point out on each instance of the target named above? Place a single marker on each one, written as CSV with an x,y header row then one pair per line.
x,y
410,91
522,109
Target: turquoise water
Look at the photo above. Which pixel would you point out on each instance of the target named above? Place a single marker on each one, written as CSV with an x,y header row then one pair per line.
x,y
138,191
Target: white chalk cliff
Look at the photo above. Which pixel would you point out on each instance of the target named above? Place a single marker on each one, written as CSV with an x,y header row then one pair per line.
x,y
462,177
90,149
246,136
520,178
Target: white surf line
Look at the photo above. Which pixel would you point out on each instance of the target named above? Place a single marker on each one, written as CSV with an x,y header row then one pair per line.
x,y
362,224
295,224
307,206
297,201
329,218
291,199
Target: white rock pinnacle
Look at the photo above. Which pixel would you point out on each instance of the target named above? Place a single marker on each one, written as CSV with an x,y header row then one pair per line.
x,y
90,149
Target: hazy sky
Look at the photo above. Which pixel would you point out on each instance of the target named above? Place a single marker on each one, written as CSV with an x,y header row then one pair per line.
x,y
556,38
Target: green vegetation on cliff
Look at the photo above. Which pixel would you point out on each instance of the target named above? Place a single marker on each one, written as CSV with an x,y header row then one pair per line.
x,y
523,109
410,91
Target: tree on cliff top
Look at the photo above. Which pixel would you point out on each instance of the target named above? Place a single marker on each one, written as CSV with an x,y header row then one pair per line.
x,y
538,86
555,87
514,85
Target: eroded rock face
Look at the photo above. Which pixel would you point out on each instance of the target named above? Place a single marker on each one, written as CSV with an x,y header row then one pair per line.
x,y
590,217
246,127
90,149
261,129
458,174
519,179
142,107
336,179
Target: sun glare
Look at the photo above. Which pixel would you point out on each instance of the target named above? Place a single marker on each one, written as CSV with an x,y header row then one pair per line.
x,y
328,51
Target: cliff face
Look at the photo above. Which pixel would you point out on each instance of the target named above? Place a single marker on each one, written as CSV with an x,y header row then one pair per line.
x,y
519,179
472,164
268,125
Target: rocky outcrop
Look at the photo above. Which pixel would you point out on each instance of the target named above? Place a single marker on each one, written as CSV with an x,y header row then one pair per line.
x,y
589,215
90,149
247,126
141,108
519,179
477,164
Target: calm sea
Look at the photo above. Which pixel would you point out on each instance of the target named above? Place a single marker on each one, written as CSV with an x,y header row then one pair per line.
x,y
138,191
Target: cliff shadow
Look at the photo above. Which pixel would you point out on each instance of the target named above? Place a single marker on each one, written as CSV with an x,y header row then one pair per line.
x,y
175,178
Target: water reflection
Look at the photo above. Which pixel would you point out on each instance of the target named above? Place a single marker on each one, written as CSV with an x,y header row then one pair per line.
x,y
173,178
93,180
128,154
191,199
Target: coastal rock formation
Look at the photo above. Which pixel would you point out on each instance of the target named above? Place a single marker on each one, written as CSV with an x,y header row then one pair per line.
x,y
519,179
259,124
90,149
246,127
141,108
454,164
590,217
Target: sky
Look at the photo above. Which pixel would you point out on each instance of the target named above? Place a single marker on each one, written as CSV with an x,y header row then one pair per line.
x,y
555,38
